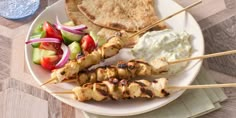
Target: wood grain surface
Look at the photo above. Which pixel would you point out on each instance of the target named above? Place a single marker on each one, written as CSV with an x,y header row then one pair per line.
x,y
21,97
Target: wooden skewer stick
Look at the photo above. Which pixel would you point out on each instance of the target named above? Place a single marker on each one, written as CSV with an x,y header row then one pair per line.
x,y
177,87
53,79
69,80
48,81
64,92
146,28
159,21
203,86
204,56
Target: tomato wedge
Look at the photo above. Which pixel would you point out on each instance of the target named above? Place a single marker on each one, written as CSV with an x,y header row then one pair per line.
x,y
51,31
50,62
87,44
52,46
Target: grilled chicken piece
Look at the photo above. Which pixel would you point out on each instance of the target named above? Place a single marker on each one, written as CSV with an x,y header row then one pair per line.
x,y
124,89
109,49
121,70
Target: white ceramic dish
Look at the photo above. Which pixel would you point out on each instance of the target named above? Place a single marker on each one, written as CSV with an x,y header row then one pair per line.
x,y
183,21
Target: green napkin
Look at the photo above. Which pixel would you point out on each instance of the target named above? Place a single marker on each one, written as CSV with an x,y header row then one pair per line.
x,y
193,103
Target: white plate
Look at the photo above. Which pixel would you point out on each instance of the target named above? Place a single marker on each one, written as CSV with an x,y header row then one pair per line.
x,y
183,21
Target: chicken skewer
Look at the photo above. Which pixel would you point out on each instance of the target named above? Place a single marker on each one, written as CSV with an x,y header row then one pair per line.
x,y
124,89
121,70
109,49
155,68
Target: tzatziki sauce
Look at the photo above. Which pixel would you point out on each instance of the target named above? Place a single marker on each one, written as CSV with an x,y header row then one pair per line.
x,y
166,43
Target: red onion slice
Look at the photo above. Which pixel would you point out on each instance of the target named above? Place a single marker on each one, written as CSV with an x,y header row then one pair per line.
x,y
75,30
65,56
79,27
71,31
96,44
38,40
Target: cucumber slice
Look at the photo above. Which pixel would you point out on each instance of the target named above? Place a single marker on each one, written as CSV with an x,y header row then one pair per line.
x,y
39,53
39,35
74,50
70,37
97,39
38,29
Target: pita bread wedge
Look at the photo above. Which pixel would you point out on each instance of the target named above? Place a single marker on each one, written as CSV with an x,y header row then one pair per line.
x,y
128,15
78,18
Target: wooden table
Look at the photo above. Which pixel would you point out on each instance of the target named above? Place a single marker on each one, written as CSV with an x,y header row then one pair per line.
x,y
21,97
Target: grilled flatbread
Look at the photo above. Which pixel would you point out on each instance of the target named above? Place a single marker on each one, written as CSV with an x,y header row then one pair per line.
x,y
78,18
129,15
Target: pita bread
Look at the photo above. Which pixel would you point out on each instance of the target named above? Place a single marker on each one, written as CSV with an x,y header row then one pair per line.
x,y
129,15
78,18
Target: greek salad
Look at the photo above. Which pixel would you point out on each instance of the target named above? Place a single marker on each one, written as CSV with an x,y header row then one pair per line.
x,y
55,44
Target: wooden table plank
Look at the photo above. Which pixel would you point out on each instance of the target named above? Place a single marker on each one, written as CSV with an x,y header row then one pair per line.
x,y
199,12
17,104
67,111
218,38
